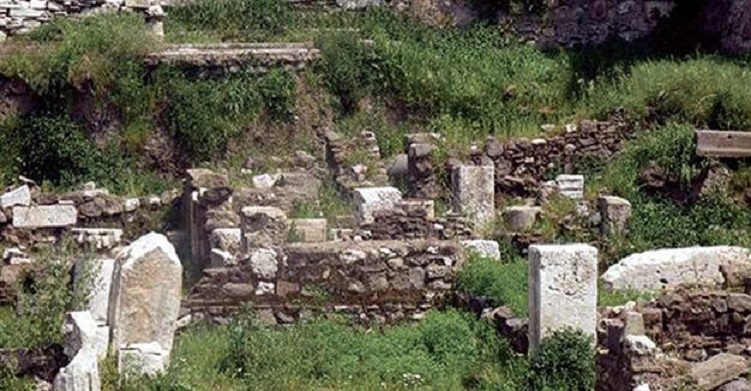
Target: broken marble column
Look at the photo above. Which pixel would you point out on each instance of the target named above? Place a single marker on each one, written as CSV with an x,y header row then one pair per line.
x,y
370,199
146,297
571,186
82,373
562,290
520,218
474,192
614,214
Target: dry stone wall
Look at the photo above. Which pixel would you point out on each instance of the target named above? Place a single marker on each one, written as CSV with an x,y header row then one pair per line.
x,y
375,280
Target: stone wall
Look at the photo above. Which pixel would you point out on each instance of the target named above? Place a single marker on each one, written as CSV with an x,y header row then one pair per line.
x,y
402,225
377,280
521,164
689,327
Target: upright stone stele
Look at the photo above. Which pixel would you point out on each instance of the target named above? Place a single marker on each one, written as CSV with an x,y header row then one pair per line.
x,y
562,290
474,192
146,295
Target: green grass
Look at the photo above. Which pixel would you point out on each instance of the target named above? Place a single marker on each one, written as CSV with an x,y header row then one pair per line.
x,y
503,282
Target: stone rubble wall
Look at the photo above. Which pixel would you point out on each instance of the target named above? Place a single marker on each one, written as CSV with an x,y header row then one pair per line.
x,y
689,327
375,280
400,225
521,165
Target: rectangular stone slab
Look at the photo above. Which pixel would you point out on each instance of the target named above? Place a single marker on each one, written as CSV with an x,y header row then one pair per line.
x,y
723,143
562,290
45,216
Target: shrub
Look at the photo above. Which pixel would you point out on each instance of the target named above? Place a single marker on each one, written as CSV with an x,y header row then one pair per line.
x,y
564,361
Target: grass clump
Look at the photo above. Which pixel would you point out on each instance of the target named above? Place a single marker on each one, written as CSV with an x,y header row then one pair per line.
x,y
503,282
564,361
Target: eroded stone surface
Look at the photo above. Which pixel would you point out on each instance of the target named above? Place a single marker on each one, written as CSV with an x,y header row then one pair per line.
x,y
96,274
521,218
615,213
147,293
571,186
309,230
143,359
81,374
371,199
484,248
562,289
669,268
44,216
17,197
474,192
719,370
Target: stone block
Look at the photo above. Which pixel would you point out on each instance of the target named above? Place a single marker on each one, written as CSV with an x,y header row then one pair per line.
x,y
263,226
474,192
571,186
309,230
265,181
147,292
98,238
263,263
98,275
718,370
484,248
143,359
226,239
562,290
614,214
79,332
17,197
371,199
669,268
200,178
82,373
44,216
724,144
521,218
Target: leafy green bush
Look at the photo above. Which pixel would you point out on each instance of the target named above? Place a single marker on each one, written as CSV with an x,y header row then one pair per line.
x,y
564,361
503,282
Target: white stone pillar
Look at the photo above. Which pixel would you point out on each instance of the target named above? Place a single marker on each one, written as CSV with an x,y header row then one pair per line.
x,y
562,290
474,192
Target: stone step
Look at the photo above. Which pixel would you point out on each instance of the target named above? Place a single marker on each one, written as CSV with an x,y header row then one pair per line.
x,y
730,144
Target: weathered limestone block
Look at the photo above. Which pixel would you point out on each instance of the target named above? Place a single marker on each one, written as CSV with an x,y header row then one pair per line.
x,y
370,199
147,291
98,238
17,197
143,359
571,186
263,263
45,216
614,213
263,226
521,218
484,248
474,192
669,268
97,275
719,370
81,374
562,289
79,330
226,239
309,230
723,144
265,181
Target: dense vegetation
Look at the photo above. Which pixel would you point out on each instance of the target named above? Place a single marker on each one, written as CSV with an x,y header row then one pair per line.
x,y
87,78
